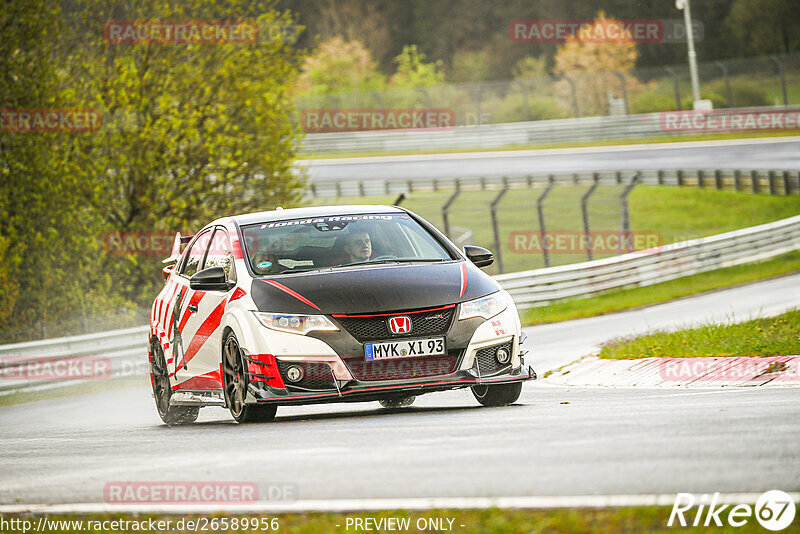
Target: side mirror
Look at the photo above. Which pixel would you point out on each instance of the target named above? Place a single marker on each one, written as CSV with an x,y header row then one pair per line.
x,y
211,279
479,255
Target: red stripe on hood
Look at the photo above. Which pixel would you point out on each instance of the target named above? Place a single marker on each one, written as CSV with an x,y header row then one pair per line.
x,y
291,292
463,279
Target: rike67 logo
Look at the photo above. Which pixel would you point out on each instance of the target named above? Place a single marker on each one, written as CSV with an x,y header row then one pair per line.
x,y
774,510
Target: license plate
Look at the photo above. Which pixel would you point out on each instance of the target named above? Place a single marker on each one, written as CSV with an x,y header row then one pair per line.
x,y
407,348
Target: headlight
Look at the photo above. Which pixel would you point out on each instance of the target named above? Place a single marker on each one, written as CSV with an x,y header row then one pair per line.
x,y
295,324
486,307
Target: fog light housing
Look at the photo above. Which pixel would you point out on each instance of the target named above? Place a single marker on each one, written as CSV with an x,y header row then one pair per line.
x,y
503,355
294,373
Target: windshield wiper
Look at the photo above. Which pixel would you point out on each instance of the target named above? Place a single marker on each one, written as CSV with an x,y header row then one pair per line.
x,y
394,260
291,271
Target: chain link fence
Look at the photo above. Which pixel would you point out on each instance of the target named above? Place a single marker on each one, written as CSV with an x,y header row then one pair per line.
x,y
750,82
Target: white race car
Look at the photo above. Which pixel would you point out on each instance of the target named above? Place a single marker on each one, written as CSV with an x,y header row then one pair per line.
x,y
328,304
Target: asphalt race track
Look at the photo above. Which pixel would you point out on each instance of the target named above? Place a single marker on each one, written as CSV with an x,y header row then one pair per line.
x,y
774,154
554,441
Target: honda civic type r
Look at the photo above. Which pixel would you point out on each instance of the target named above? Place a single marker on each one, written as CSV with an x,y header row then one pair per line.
x,y
328,304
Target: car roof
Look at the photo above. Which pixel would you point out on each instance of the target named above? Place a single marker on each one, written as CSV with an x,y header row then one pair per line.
x,y
314,211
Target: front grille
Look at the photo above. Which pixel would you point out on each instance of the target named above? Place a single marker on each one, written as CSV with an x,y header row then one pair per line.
x,y
405,368
316,375
431,323
487,363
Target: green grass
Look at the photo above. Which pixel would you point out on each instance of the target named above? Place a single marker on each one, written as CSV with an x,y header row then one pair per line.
x,y
493,521
774,336
675,214
565,144
625,299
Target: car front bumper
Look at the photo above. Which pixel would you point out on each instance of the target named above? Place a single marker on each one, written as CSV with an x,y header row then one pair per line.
x,y
362,391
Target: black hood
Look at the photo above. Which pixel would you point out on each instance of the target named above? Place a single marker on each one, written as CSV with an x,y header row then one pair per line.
x,y
372,289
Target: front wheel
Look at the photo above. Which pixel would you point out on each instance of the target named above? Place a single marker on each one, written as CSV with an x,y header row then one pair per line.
x,y
162,391
235,386
498,394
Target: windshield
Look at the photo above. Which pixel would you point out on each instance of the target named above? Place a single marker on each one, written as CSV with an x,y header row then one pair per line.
x,y
299,245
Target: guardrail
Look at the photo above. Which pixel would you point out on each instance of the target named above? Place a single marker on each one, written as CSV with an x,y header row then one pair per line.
x,y
541,286
776,182
127,348
33,364
509,134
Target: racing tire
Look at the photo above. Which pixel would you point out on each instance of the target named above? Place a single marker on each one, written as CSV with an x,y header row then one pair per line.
x,y
235,386
162,392
497,394
398,402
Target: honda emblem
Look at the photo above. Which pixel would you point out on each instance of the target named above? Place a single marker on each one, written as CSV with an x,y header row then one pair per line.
x,y
400,325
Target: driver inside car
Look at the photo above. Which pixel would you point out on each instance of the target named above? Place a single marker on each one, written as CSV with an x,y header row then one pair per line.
x,y
357,247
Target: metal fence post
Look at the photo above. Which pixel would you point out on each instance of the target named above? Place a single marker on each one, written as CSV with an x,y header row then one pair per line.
x,y
478,96
782,73
787,186
498,248
676,87
754,181
724,69
524,84
700,179
624,90
446,209
426,96
338,189
771,182
386,186
626,216
313,188
718,179
361,189
737,179
660,177
585,214
542,227
680,177
575,109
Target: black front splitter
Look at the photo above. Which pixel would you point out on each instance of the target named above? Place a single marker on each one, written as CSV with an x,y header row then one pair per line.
x,y
356,391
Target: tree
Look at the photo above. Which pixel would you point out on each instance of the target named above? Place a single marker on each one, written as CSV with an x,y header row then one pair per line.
x,y
339,66
190,132
48,239
194,131
592,65
765,26
413,72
